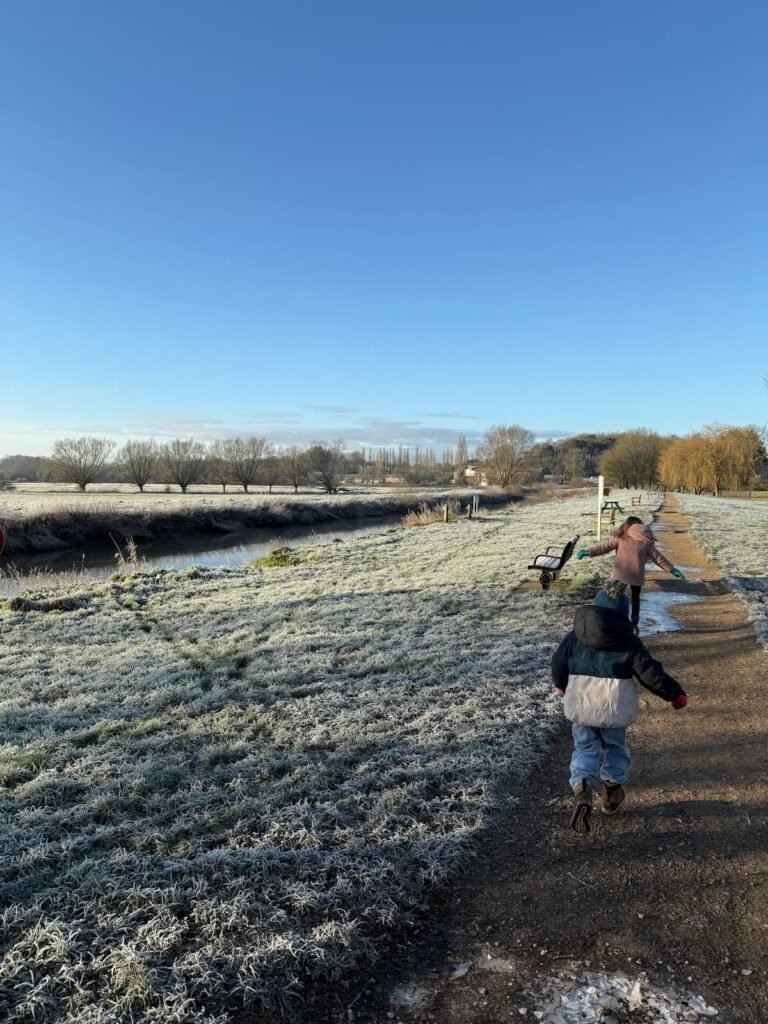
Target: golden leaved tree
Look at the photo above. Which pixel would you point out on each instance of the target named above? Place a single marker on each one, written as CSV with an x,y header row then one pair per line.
x,y
716,459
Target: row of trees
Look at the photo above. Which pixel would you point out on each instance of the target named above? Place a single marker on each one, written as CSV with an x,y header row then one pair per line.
x,y
503,455
633,461
571,459
719,457
239,461
714,459
420,466
423,465
246,462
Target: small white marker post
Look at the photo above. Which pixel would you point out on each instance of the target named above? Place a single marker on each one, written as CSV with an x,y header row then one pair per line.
x,y
600,485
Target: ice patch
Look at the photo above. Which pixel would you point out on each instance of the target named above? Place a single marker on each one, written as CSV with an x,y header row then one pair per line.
x,y
411,996
687,569
610,998
655,611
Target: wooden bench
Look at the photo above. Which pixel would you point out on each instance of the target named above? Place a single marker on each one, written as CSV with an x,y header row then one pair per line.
x,y
637,499
550,564
607,520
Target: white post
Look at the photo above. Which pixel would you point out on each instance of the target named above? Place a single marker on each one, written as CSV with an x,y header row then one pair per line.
x,y
600,485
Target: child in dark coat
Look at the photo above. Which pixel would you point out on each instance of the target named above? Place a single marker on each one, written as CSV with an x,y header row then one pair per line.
x,y
594,669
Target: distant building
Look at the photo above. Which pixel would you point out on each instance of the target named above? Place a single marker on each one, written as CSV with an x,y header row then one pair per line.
x,y
476,476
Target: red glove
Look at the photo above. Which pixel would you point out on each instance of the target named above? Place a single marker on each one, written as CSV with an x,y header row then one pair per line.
x,y
680,702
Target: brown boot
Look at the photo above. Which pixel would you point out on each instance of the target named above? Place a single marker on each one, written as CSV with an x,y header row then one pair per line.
x,y
582,808
612,796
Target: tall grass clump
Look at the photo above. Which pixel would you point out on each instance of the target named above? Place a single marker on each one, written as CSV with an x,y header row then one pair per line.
x,y
427,513
128,559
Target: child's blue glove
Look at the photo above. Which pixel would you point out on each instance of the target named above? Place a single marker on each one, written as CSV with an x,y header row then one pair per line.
x,y
582,554
676,572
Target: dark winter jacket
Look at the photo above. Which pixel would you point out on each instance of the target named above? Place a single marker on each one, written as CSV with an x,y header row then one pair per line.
x,y
597,664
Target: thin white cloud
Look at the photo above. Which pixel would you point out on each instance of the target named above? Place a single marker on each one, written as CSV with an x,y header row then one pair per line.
x,y
280,427
334,410
552,435
455,416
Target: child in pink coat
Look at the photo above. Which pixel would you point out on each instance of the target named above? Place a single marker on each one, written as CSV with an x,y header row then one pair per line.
x,y
634,543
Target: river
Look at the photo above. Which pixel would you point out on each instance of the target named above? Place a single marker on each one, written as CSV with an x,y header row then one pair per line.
x,y
98,561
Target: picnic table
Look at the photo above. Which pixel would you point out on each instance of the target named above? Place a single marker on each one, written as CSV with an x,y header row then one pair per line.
x,y
607,505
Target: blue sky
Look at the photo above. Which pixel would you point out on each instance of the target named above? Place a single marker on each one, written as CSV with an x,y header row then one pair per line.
x,y
381,222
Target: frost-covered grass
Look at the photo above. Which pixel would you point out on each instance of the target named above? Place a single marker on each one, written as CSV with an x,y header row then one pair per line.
x,y
218,787
735,536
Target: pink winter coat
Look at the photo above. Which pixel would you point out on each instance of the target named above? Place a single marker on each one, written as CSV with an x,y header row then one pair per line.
x,y
632,552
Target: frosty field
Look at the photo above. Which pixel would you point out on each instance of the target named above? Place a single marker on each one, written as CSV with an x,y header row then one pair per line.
x,y
221,786
735,536
44,494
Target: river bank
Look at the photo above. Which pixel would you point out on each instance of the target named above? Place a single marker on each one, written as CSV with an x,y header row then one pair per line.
x,y
33,524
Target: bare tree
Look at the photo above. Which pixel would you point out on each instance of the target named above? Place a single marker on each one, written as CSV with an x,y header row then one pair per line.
x,y
184,461
326,464
139,460
272,468
461,461
634,460
80,460
573,463
294,463
503,450
246,455
220,464
557,464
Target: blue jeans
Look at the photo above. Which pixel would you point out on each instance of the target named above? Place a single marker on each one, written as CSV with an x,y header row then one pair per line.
x,y
588,745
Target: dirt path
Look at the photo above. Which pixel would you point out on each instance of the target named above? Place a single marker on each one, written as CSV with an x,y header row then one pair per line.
x,y
674,888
